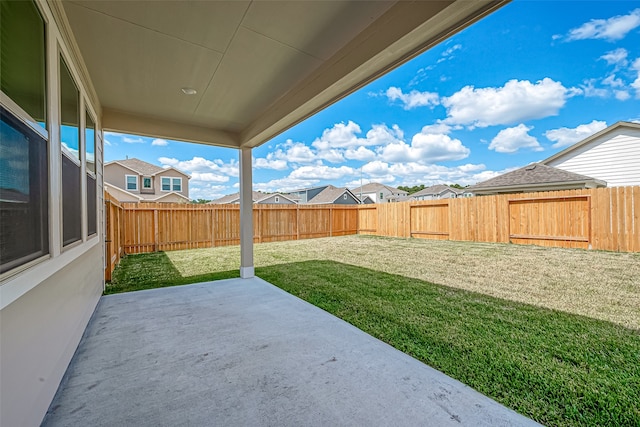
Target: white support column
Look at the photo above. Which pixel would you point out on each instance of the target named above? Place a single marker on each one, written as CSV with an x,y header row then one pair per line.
x,y
246,215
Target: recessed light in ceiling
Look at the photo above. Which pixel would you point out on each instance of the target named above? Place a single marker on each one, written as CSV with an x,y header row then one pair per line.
x,y
189,91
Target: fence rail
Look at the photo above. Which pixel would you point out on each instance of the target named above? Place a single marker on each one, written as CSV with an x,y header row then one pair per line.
x,y
604,219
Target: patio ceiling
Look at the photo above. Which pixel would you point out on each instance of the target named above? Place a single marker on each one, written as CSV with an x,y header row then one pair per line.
x,y
259,67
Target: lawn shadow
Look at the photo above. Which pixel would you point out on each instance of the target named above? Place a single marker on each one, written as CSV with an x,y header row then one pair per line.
x,y
155,270
555,367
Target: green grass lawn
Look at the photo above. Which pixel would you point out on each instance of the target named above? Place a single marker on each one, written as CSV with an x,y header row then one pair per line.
x,y
559,368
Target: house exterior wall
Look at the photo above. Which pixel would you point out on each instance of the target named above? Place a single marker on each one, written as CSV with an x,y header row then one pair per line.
x,y
121,195
115,174
46,304
387,195
171,198
613,157
39,334
272,201
349,201
171,173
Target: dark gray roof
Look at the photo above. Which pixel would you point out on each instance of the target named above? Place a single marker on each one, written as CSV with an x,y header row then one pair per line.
x,y
436,189
256,196
328,195
532,174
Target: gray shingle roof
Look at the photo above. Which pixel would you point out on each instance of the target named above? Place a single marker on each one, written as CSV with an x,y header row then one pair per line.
x,y
143,168
328,195
435,189
534,173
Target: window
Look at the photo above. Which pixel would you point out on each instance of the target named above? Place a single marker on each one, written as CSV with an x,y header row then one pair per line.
x,y
22,58
277,199
381,196
176,184
90,159
24,227
131,182
70,141
90,143
171,183
146,183
344,196
166,183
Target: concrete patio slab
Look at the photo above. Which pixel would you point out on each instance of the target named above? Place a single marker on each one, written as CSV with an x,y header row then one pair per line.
x,y
242,352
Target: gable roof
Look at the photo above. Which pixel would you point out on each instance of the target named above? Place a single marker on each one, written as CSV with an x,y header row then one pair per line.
x,y
436,189
535,175
587,140
330,195
110,188
159,198
144,168
375,187
256,196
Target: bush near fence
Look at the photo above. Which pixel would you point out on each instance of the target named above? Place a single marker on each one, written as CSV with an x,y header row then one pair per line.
x,y
604,219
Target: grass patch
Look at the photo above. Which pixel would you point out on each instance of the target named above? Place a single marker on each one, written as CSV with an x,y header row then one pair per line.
x,y
156,270
558,368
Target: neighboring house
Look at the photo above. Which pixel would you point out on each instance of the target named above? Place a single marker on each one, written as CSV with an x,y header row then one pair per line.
x,y
257,197
535,177
438,191
148,182
611,155
325,195
380,193
365,200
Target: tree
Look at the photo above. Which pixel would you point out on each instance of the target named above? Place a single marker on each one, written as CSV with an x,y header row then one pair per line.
x,y
413,189
200,201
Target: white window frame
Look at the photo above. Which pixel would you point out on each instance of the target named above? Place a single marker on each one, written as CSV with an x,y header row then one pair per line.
x,y
344,196
126,182
277,199
162,178
173,181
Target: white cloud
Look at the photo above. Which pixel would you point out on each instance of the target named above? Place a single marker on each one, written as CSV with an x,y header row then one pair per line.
x,y
132,140
564,137
621,95
158,142
202,165
208,191
361,153
322,172
510,140
208,177
613,81
275,164
425,148
412,99
614,28
636,83
284,184
617,57
341,135
516,101
590,91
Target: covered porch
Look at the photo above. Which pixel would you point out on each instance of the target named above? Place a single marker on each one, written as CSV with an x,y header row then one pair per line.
x,y
243,352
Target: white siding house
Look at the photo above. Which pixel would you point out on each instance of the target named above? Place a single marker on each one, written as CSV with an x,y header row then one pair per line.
x,y
611,155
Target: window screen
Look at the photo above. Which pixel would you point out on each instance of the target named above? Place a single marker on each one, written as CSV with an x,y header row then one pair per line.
x,y
70,140
92,214
22,57
24,228
132,182
166,184
177,184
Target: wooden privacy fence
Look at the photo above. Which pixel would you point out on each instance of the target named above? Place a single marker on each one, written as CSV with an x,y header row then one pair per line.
x,y
604,218
150,227
113,234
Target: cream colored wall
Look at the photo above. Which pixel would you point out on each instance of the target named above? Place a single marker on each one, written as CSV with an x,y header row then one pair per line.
x,y
114,174
39,333
157,185
45,305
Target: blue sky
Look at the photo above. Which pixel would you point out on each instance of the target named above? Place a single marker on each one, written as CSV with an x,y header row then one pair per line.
x,y
514,88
